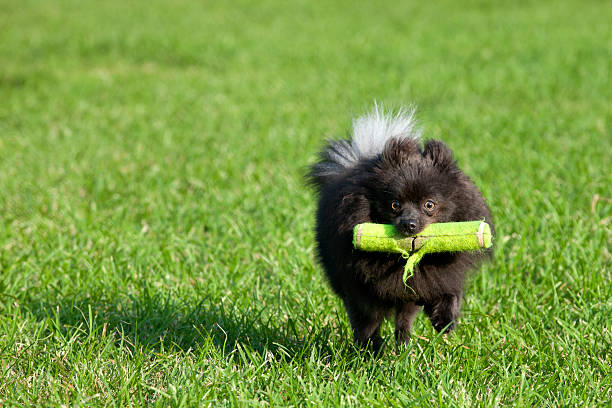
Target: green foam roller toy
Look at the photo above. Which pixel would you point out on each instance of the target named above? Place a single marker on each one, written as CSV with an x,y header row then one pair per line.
x,y
437,237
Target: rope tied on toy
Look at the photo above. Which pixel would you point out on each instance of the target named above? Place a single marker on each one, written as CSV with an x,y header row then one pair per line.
x,y
436,237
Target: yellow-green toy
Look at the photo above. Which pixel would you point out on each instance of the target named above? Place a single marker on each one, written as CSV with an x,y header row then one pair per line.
x,y
437,237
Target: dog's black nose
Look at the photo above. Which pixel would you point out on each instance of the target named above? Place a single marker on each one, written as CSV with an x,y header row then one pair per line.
x,y
410,225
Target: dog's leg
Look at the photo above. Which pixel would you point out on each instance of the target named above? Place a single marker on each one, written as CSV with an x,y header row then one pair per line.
x,y
366,326
404,316
444,311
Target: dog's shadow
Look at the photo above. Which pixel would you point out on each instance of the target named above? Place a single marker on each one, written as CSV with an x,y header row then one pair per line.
x,y
155,322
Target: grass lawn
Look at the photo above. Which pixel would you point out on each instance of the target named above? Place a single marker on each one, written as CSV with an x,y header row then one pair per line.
x,y
156,242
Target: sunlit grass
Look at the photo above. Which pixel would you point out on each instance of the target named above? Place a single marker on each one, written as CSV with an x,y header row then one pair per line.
x,y
156,239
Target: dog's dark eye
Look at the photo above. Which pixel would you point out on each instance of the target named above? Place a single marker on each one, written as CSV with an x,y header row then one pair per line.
x,y
396,206
429,205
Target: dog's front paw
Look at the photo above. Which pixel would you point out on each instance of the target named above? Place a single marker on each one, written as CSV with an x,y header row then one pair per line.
x,y
443,313
443,323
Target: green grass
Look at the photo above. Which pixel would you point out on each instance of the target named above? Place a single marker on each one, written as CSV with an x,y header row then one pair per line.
x,y
156,241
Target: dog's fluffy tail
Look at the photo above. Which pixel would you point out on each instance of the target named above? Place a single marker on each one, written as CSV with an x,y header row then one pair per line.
x,y
371,133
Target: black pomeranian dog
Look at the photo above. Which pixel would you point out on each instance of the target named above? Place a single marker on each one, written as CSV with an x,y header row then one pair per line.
x,y
382,175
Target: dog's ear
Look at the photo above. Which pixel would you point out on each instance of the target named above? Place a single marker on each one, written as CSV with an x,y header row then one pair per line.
x,y
398,151
439,154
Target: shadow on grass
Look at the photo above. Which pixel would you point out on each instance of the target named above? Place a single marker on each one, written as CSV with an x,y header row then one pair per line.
x,y
155,322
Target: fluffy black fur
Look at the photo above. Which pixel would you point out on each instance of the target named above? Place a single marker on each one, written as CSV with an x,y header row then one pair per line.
x,y
396,187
